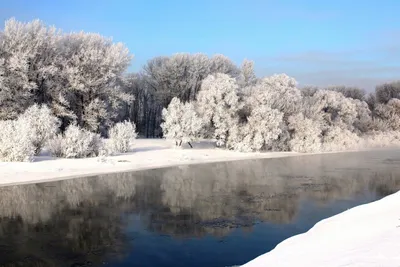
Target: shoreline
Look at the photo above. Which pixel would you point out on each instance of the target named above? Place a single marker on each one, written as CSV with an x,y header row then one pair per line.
x,y
147,154
366,235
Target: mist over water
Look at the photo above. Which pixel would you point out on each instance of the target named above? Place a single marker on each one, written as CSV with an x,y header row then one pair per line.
x,y
220,214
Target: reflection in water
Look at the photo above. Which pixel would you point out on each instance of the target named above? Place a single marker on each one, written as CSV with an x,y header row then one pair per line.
x,y
122,218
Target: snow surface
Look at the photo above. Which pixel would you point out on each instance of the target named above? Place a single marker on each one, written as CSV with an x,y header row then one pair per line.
x,y
367,236
146,154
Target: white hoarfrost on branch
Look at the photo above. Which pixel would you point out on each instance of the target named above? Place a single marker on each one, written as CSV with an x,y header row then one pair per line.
x,y
76,142
218,104
279,92
75,74
247,76
262,128
390,113
42,125
122,136
379,139
332,108
181,122
15,141
306,134
338,138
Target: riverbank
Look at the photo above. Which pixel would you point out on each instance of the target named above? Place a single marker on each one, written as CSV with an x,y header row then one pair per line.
x,y
367,236
146,154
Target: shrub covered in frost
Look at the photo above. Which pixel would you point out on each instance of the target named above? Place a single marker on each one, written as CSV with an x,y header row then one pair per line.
x,y
76,143
15,141
122,136
339,138
306,134
181,122
42,125
377,139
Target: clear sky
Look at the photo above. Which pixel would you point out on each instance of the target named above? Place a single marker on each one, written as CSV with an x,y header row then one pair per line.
x,y
352,42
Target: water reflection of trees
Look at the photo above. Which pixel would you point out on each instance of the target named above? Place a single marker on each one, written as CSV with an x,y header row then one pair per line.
x,y
81,220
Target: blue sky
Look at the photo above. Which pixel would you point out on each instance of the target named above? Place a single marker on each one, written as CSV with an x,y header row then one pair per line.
x,y
350,42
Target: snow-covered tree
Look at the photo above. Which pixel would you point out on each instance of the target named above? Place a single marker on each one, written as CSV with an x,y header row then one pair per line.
x,y
390,113
180,75
122,136
68,72
181,122
376,139
76,142
385,92
349,92
222,64
305,134
262,128
332,108
42,125
218,104
247,76
18,46
91,67
278,91
337,138
15,141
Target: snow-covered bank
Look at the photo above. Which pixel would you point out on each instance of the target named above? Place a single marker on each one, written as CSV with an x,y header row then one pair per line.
x,y
147,154
367,236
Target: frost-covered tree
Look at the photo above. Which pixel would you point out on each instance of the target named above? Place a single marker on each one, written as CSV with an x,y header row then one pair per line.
x,y
278,91
25,136
75,74
76,142
308,91
247,76
385,138
349,92
262,128
332,108
181,122
337,138
385,92
15,142
19,46
179,75
340,119
305,134
222,64
218,104
122,136
42,125
91,67
390,113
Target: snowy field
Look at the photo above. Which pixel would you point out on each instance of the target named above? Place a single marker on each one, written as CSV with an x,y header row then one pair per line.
x,y
146,154
364,236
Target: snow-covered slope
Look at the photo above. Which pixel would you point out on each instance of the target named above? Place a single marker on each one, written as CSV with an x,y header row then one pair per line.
x,y
364,236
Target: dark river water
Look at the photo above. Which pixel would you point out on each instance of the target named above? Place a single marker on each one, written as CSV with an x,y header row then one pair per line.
x,y
220,214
